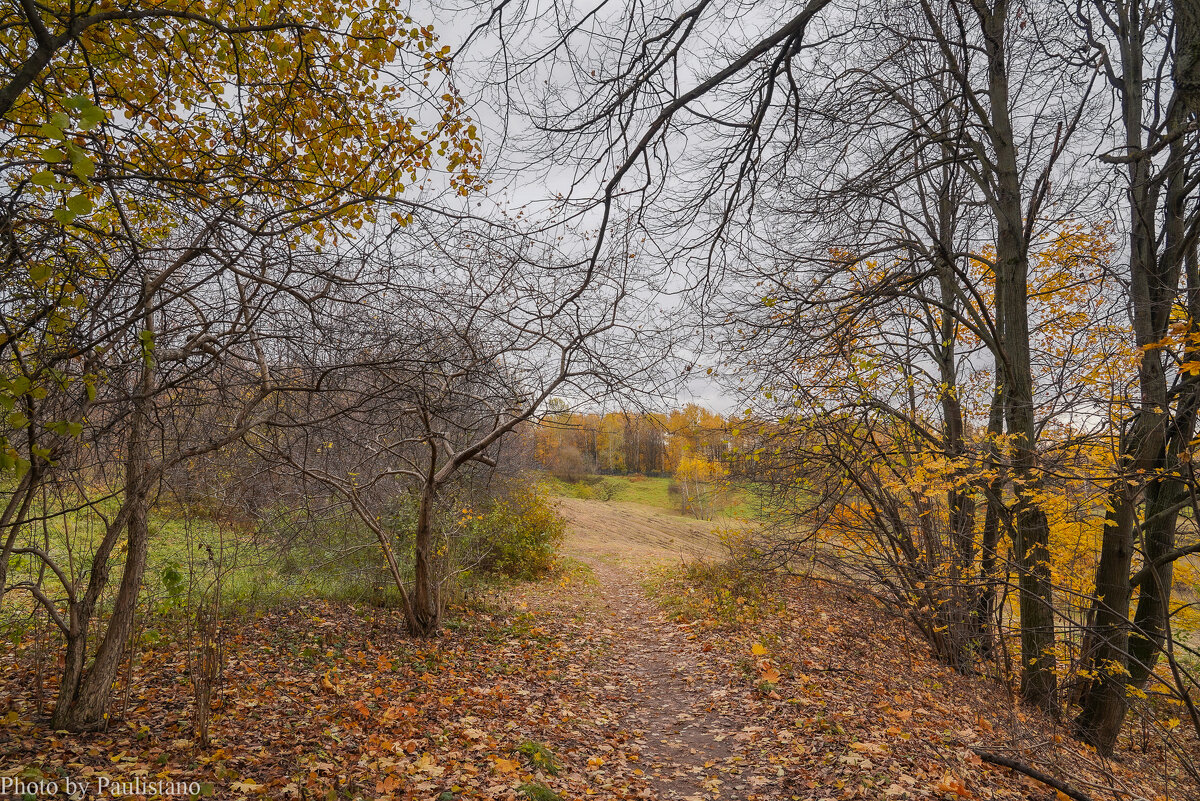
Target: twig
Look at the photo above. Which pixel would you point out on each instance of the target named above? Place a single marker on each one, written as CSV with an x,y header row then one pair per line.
x,y
1033,773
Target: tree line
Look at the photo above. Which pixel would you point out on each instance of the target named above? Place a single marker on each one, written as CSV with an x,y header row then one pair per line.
x,y
572,444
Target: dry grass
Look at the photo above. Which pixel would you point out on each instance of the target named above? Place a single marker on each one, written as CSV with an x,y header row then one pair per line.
x,y
636,535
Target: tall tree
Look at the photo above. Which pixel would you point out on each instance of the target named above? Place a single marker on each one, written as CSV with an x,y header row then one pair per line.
x,y
1152,159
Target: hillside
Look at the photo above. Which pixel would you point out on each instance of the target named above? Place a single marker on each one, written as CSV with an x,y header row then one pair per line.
x,y
642,669
856,706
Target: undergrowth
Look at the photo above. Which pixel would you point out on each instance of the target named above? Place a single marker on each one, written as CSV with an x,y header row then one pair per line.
x,y
715,594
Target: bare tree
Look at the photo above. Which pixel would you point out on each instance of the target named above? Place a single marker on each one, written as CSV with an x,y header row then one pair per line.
x,y
437,374
173,323
748,113
1153,157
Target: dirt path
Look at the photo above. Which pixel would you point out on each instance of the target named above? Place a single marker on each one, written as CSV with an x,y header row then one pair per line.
x,y
683,712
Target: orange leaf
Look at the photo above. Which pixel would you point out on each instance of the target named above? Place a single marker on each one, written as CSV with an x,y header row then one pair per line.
x,y
503,765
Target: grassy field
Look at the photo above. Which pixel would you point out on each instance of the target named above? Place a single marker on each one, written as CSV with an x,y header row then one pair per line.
x,y
652,491
191,552
635,534
646,490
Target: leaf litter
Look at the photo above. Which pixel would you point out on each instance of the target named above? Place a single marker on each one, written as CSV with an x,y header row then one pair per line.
x,y
578,687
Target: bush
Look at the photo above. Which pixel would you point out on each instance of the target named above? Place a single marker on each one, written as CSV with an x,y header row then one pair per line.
x,y
722,594
536,791
521,534
539,756
608,489
569,465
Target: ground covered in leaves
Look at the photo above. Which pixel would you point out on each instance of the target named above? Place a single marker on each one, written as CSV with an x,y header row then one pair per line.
x,y
846,703
331,702
624,676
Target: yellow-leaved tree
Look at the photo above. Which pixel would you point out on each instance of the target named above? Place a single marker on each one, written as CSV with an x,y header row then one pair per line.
x,y
700,483
173,172
883,449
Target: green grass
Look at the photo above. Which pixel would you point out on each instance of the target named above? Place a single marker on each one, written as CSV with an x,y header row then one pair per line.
x,y
744,505
540,757
646,490
536,791
186,553
196,547
189,548
652,491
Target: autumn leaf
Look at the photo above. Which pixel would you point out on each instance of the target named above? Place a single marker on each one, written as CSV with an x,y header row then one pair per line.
x,y
426,765
952,784
330,685
505,766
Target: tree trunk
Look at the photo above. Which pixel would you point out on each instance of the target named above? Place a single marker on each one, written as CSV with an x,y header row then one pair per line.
x,y
13,517
424,609
989,578
1150,619
1153,283
1187,54
89,709
79,618
424,614
1038,678
1166,488
1150,623
960,500
1107,640
83,695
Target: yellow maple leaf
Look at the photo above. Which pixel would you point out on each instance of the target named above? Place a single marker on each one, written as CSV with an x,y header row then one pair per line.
x,y
503,765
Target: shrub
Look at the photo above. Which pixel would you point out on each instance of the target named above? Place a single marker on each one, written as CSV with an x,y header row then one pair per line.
x,y
569,465
719,593
608,489
539,756
521,534
536,791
